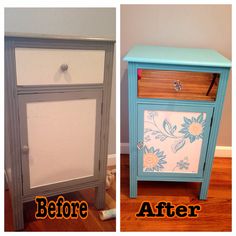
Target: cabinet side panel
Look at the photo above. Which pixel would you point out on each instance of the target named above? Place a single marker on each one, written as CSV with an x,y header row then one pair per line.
x,y
13,162
8,157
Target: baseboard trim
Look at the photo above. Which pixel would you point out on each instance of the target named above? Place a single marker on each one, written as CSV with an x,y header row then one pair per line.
x,y
221,151
111,160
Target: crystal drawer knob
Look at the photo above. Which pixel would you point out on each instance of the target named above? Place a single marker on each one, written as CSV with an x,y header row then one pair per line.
x,y
177,85
64,67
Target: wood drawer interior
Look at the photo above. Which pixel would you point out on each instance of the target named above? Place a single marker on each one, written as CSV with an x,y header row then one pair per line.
x,y
182,85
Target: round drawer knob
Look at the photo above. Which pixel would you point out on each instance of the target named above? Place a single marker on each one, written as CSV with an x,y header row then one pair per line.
x,y
64,67
177,85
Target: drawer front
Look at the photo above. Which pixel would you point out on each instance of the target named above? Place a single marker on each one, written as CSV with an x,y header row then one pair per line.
x,y
35,66
59,139
172,141
177,85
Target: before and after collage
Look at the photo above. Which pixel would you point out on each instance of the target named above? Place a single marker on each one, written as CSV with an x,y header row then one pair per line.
x,y
118,117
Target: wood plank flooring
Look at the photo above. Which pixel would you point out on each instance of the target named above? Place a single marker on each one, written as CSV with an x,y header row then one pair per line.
x,y
214,216
92,223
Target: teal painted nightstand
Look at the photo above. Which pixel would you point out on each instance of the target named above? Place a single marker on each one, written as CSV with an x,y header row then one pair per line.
x,y
176,98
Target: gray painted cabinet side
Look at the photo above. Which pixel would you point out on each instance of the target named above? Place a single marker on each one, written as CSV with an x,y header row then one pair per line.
x,y
13,163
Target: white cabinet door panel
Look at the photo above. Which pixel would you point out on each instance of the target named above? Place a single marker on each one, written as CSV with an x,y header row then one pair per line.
x,y
172,140
61,138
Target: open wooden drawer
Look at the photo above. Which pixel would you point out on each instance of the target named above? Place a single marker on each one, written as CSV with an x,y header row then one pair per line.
x,y
181,85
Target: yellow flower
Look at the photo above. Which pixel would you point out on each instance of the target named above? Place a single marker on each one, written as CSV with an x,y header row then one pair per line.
x,y
153,159
195,129
150,160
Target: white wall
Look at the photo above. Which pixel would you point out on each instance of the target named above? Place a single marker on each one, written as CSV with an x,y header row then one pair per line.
x,y
92,22
84,22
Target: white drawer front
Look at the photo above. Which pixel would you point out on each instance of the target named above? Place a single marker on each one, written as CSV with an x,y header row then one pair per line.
x,y
35,66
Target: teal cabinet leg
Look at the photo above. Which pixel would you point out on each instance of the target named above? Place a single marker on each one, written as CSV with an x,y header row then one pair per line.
x,y
133,187
204,190
133,184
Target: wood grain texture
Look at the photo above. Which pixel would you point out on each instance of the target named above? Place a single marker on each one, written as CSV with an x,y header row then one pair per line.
x,y
92,223
214,216
160,84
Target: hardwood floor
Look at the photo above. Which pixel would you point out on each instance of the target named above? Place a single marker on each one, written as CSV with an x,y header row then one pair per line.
x,y
215,214
91,223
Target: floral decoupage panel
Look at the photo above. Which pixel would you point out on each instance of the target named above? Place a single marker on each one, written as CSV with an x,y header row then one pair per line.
x,y
172,141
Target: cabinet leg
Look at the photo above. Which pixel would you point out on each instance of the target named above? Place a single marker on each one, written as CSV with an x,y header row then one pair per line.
x,y
100,192
6,187
204,190
18,214
133,187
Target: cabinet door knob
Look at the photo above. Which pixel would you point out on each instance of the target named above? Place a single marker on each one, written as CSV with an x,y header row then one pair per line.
x,y
64,67
140,145
25,149
177,85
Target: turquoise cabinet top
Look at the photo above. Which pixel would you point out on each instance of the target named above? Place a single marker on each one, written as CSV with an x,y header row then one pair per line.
x,y
177,56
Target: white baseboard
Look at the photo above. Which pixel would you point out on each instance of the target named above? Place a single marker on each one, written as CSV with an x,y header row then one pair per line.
x,y
111,160
221,151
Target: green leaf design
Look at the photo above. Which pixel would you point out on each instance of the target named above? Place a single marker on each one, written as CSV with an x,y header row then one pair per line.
x,y
178,145
200,118
173,129
167,126
163,138
188,121
159,136
151,150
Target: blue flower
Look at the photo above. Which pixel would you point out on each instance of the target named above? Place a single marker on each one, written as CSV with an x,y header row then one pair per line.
x,y
153,159
193,128
183,164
